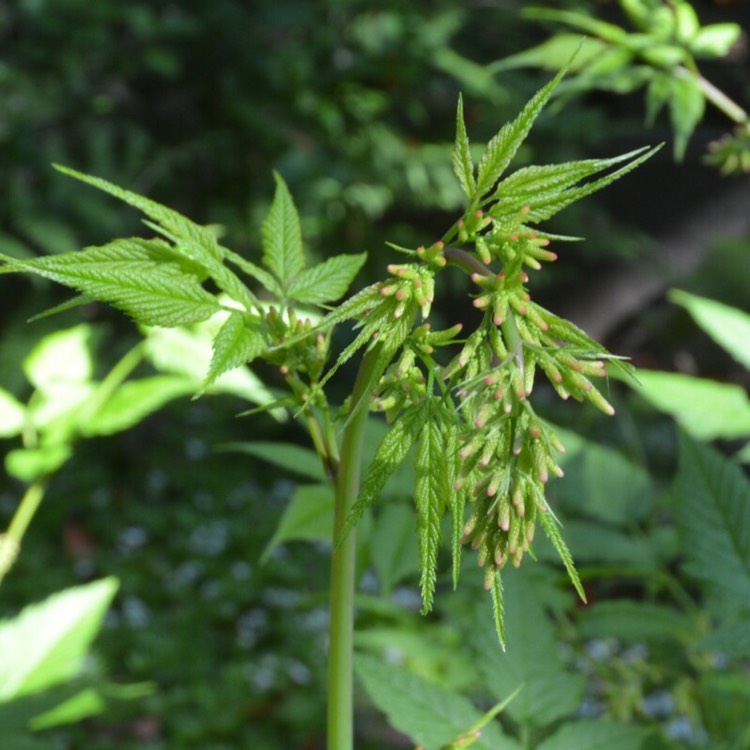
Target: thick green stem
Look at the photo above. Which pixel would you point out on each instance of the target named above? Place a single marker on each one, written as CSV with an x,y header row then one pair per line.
x,y
343,564
717,97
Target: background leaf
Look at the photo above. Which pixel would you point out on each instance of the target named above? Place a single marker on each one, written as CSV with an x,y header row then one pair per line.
x,y
309,516
704,408
533,659
393,546
728,326
595,735
429,714
287,456
711,500
46,643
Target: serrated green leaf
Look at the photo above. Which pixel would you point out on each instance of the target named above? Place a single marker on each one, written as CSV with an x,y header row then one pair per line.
x,y
533,659
188,351
704,408
712,505
732,640
327,281
596,734
390,453
498,607
539,186
195,242
282,236
430,715
308,517
686,107
432,491
716,40
636,622
463,165
549,524
393,548
235,344
544,206
125,274
133,401
503,147
727,326
47,642
292,458
12,414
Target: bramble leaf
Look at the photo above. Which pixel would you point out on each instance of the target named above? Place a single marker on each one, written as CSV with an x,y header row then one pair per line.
x,y
131,275
503,146
282,236
463,165
235,344
327,281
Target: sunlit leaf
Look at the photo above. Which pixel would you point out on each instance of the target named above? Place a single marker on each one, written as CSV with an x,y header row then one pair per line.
x,y
127,274
463,165
327,281
282,236
47,642
503,146
704,408
728,326
235,344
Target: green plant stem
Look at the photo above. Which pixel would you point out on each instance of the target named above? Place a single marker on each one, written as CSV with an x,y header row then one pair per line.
x,y
11,540
717,97
343,564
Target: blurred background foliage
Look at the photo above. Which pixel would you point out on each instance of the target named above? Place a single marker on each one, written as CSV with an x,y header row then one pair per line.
x,y
195,103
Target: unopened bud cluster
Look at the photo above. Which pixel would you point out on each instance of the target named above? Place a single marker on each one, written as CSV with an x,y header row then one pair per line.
x,y
302,355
